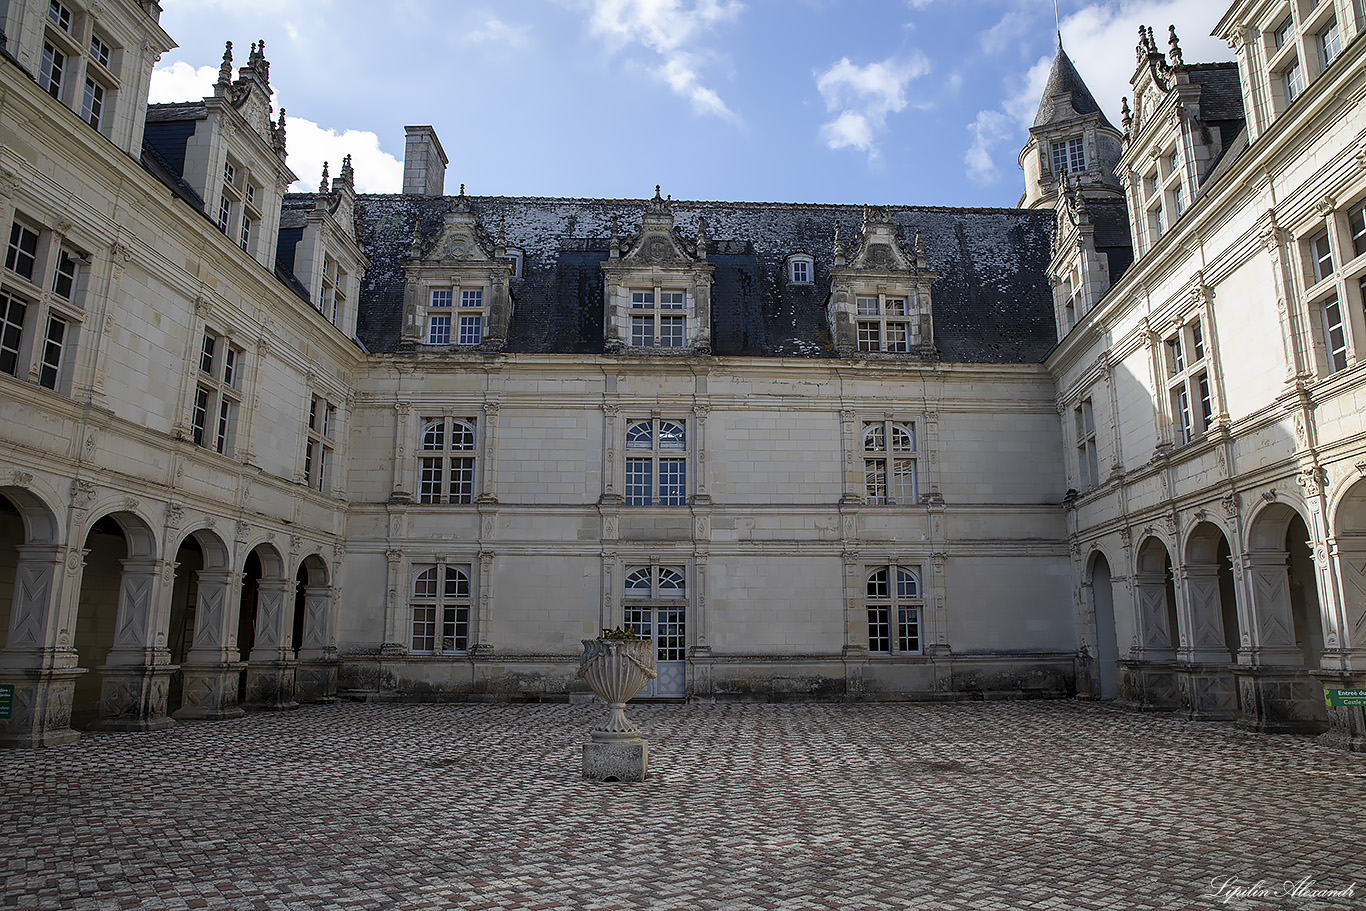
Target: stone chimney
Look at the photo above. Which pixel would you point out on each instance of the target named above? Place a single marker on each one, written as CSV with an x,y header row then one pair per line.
x,y
424,163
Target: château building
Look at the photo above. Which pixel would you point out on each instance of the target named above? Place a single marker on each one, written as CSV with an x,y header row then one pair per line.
x,y
259,448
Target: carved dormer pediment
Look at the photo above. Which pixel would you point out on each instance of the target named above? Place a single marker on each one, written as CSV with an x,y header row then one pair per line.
x,y
657,287
458,285
880,297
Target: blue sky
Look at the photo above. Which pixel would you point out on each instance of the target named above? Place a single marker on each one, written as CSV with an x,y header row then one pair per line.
x,y
903,102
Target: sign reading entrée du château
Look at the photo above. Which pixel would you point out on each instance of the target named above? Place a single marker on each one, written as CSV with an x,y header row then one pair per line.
x,y
1344,697
6,699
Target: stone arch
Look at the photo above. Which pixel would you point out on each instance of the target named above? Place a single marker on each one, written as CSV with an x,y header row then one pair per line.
x,y
120,625
1348,547
1283,588
30,565
311,643
200,604
1101,582
266,621
1211,599
1155,601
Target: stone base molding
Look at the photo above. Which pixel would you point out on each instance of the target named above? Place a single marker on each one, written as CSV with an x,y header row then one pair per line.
x,y
133,697
1147,686
40,713
270,686
1207,692
1280,700
315,681
210,692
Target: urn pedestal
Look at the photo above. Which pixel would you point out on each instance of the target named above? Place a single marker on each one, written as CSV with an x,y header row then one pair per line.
x,y
616,669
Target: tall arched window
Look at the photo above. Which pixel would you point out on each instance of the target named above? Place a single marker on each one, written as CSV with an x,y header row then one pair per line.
x,y
889,463
656,463
893,592
447,465
441,595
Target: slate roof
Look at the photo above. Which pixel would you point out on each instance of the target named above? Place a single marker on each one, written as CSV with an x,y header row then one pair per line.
x,y
1221,94
992,303
1110,217
1063,79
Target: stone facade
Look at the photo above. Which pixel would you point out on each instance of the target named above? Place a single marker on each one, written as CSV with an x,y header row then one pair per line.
x,y
264,448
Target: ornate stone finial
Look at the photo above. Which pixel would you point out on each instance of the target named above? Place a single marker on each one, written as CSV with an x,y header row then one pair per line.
x,y
657,199
1125,116
839,246
347,175
919,250
326,184
502,229
417,239
225,71
1173,55
701,236
863,225
1141,50
277,135
462,191
616,241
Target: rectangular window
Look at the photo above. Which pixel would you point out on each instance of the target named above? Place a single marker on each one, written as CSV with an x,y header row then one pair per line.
x,y
471,329
1178,201
1206,401
12,312
200,421
1176,357
1293,80
92,103
439,330
1197,341
1088,467
869,336
23,250
671,300
206,353
51,70
1320,256
879,628
671,331
1281,33
64,276
229,173
225,415
639,482
59,15
447,464
432,481
1356,223
898,337
50,369
441,297
642,332
230,366
1330,44
224,214
801,271
672,482
1076,155
1181,405
245,240
867,306
1334,335
424,628
642,300
908,629
472,298
100,51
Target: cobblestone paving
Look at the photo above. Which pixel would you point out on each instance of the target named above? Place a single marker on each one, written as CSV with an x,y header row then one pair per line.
x,y
974,806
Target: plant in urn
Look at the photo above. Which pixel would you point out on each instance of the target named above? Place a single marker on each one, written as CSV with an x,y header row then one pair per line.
x,y
616,665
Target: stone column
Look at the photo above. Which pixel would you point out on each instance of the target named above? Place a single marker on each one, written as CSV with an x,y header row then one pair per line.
x,y
136,675
1205,682
38,660
212,669
1275,688
270,673
481,618
1149,676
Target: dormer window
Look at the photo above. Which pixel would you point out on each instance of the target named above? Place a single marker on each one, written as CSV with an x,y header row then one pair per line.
x,y
882,324
515,257
471,327
1069,156
444,319
801,270
657,320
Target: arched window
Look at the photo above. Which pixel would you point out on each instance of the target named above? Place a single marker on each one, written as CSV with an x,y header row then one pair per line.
x,y
889,463
447,463
893,591
655,608
656,464
441,594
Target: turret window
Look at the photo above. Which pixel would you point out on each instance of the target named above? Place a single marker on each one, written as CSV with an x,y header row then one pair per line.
x,y
1069,155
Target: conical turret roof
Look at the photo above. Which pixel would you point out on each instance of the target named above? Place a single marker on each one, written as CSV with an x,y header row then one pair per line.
x,y
1063,79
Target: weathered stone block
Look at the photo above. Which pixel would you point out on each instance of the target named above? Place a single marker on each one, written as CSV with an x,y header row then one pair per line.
x,y
616,761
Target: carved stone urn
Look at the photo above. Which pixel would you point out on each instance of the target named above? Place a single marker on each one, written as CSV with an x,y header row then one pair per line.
x,y
616,669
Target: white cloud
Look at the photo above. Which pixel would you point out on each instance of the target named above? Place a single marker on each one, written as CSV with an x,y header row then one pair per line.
x,y
672,30
310,145
495,32
864,96
1099,38
181,82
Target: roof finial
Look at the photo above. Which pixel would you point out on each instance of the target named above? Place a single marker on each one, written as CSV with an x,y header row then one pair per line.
x,y
701,237
225,71
347,175
1125,116
277,135
657,198
839,246
326,181
1173,55
502,229
462,191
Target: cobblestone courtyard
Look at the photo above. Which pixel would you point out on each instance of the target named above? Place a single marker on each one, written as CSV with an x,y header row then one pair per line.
x,y
968,806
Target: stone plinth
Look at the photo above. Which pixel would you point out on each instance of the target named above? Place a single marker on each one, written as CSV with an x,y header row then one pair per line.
x,y
624,761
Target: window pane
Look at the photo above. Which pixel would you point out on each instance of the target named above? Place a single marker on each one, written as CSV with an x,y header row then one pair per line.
x,y
908,629
669,634
434,435
878,584
642,332
672,485
907,585
441,297
671,435
455,628
897,337
22,251
903,481
424,629
874,438
473,298
671,331
642,300
638,582
424,586
879,628
869,336
462,436
638,482
12,314
462,480
638,621
52,353
896,306
640,435
439,330
200,421
903,439
671,584
867,306
433,474
671,300
471,329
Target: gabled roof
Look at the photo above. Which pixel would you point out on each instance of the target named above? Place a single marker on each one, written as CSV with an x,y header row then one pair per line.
x,y
1064,79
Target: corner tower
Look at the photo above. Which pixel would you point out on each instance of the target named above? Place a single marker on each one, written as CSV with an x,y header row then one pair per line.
x,y
1070,138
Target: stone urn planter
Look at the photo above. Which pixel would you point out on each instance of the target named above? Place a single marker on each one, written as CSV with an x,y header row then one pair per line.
x,y
616,669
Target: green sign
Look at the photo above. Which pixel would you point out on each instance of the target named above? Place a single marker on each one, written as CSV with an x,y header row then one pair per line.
x,y
6,699
1344,697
